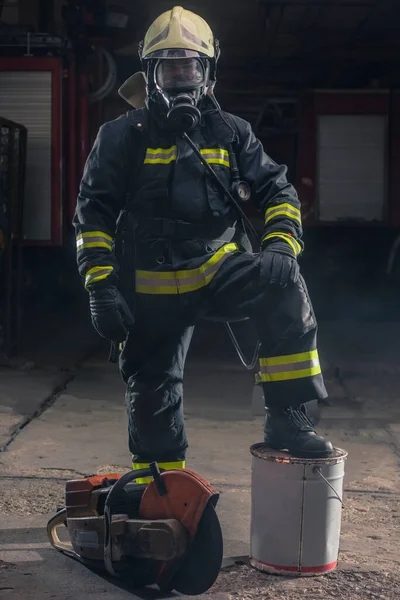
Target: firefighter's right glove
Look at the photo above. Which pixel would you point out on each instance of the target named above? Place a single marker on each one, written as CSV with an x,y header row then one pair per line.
x,y
111,316
278,264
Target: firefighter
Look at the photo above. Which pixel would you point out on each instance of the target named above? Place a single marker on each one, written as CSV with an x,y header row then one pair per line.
x,y
160,246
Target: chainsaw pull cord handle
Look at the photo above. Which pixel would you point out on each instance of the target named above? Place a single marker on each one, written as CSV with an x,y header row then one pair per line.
x,y
116,488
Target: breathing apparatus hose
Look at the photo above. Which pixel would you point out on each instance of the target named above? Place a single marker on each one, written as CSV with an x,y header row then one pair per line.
x,y
248,365
221,185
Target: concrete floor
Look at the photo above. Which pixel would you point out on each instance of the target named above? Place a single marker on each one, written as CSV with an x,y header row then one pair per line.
x,y
66,417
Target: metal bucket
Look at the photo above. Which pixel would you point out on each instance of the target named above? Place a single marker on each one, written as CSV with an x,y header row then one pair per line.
x,y
296,512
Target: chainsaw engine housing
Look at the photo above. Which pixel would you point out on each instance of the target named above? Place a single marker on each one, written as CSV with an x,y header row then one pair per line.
x,y
166,532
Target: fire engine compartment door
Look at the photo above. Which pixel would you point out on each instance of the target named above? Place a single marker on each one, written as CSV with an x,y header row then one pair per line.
x,y
351,168
26,98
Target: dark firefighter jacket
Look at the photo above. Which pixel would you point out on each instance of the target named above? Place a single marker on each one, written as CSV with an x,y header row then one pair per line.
x,y
144,195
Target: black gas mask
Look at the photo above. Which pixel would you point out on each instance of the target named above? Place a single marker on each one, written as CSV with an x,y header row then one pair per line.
x,y
179,85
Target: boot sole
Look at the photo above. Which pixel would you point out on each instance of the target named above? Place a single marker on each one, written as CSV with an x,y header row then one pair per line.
x,y
326,454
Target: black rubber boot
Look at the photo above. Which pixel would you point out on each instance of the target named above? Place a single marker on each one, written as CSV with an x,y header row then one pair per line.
x,y
290,429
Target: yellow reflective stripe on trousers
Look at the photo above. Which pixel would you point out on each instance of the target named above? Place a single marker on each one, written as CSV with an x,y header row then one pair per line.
x,y
290,366
181,282
293,243
282,210
93,239
168,466
160,156
216,156
97,274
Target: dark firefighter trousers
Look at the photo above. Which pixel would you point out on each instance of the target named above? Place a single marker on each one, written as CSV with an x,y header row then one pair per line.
x,y
153,358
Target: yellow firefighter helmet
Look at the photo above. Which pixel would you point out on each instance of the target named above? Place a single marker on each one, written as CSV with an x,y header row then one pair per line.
x,y
178,29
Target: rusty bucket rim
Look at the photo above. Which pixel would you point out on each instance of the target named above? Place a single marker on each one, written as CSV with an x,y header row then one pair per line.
x,y
277,456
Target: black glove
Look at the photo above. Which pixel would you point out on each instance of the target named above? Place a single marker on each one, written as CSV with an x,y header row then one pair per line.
x,y
278,264
111,316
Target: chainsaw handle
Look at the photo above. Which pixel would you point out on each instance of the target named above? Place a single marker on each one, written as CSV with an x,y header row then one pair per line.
x,y
118,485
59,519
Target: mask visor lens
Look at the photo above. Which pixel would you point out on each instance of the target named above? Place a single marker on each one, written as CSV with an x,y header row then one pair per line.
x,y
180,74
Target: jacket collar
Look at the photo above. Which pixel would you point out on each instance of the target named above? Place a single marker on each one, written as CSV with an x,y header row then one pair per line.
x,y
211,118
138,119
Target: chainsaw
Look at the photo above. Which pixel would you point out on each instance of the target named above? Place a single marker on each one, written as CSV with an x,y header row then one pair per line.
x,y
165,533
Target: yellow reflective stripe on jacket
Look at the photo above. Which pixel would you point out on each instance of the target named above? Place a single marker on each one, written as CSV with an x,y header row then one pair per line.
x,y
293,243
216,156
180,464
97,274
181,282
93,239
282,210
291,366
161,156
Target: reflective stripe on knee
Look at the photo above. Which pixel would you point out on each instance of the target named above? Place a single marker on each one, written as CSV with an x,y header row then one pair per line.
x,y
289,367
179,464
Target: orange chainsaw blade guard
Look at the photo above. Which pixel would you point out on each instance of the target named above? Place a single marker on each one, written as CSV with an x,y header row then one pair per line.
x,y
186,499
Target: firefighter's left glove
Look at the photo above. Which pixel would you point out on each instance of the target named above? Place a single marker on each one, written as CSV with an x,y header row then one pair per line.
x,y
111,316
278,264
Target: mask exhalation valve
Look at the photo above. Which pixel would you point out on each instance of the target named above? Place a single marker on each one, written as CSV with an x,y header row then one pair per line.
x,y
183,116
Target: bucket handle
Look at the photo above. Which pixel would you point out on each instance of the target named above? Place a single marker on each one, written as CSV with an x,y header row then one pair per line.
x,y
317,471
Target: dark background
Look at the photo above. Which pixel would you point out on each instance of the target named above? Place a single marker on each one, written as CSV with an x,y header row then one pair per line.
x,y
283,65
